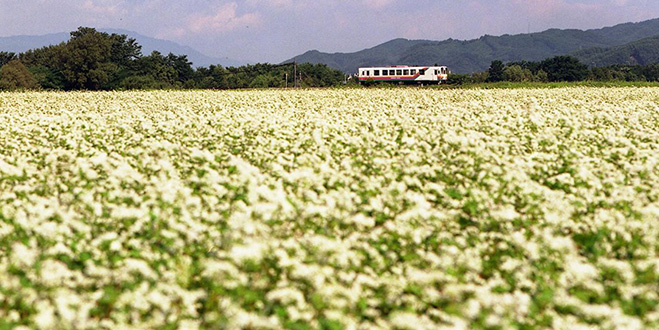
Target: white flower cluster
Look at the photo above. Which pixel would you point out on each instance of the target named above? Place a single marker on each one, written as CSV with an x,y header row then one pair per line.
x,y
330,209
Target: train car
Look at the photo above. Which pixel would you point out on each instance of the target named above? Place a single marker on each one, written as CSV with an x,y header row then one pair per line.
x,y
404,74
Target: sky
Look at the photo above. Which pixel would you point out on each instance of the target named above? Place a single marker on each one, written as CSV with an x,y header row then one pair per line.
x,y
276,30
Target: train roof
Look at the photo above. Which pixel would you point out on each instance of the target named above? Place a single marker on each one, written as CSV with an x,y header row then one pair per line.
x,y
402,66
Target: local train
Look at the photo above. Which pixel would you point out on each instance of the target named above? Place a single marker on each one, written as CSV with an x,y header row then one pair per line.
x,y
404,74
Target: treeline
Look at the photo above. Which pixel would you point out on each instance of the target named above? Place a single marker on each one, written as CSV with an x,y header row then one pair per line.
x,y
557,69
93,60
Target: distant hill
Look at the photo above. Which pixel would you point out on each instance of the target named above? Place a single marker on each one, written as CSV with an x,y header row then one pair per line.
x,y
18,44
466,56
641,52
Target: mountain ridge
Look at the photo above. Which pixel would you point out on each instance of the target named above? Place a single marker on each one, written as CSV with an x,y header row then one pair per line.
x,y
22,43
467,56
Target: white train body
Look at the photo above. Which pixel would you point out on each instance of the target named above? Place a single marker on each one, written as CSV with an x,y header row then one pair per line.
x,y
404,74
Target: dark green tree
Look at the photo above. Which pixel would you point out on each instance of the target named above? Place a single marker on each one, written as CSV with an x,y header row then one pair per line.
x,y
14,75
171,71
5,57
124,50
49,56
86,59
48,78
182,67
213,77
495,72
564,68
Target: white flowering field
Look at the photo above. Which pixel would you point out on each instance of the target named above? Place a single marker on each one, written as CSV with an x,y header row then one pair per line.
x,y
330,209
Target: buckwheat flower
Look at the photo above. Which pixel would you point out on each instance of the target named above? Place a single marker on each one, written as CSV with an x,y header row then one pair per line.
x,y
139,266
287,296
9,169
54,272
506,213
579,272
472,308
45,319
251,251
188,325
22,255
411,321
361,220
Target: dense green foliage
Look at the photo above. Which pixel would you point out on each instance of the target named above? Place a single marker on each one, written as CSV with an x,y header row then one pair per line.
x,y
468,56
5,57
641,52
14,75
495,71
93,60
557,69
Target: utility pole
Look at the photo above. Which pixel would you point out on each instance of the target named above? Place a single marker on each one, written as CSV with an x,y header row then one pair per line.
x,y
286,81
294,72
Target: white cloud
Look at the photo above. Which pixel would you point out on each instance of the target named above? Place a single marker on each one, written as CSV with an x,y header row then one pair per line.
x,y
97,8
620,3
271,3
377,4
224,19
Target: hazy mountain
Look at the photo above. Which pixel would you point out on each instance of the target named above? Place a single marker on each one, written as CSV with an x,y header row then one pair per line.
x,y
20,44
466,56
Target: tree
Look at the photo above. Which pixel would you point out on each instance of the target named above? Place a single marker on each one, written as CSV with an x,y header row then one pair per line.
x,y
517,74
261,81
564,68
155,65
14,75
5,57
457,79
478,77
140,82
600,74
513,73
182,66
215,76
86,59
124,50
495,72
48,78
541,76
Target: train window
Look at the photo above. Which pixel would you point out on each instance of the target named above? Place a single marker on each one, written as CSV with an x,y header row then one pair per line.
x,y
422,71
406,72
399,72
413,71
376,72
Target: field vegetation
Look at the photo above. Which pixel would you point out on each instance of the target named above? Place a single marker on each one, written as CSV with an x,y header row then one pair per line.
x,y
330,209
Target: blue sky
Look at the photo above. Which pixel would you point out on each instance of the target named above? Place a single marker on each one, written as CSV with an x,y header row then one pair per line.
x,y
275,30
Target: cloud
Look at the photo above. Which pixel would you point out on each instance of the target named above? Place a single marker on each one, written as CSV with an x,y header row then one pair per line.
x,y
271,3
620,3
224,19
377,4
101,9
